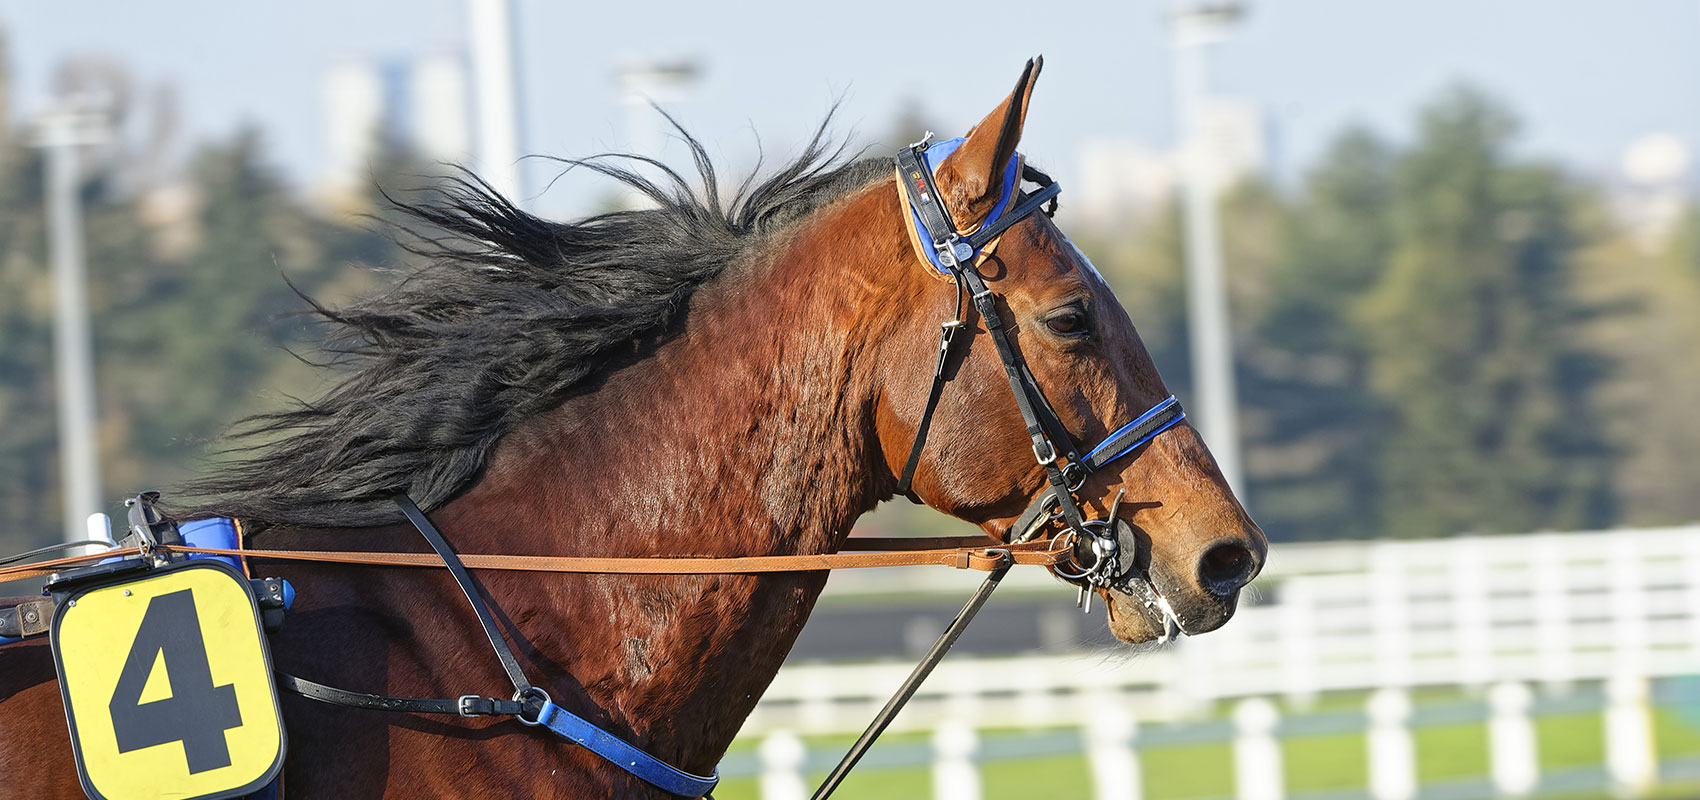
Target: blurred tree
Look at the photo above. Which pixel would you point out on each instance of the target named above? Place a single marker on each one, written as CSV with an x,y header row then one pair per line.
x,y
1472,336
191,310
1314,428
1649,320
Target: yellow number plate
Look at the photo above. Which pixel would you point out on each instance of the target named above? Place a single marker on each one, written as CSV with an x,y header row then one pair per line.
x,y
168,686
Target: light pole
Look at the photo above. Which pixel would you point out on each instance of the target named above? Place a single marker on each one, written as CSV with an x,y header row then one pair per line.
x,y
78,122
1193,27
496,94
642,84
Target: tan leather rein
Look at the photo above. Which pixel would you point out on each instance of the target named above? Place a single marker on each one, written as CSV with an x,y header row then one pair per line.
x,y
960,552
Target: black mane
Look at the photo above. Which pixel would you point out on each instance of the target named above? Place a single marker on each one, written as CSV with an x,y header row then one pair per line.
x,y
508,316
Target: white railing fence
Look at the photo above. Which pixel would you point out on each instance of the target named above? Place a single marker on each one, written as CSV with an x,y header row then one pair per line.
x,y
1113,745
1550,609
1517,620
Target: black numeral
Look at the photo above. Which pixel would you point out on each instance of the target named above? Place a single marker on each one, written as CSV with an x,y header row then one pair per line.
x,y
197,713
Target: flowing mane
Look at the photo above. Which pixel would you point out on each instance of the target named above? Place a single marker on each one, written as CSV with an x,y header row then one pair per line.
x,y
506,317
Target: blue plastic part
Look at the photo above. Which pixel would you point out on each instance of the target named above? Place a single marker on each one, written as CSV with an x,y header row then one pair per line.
x,y
6,640
220,532
657,773
213,532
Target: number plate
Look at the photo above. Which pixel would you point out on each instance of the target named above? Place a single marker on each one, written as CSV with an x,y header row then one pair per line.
x,y
168,686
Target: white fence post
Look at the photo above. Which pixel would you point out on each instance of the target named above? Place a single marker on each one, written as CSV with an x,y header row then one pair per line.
x,y
954,775
1392,617
1110,750
1511,740
1551,594
1392,752
1298,642
782,757
1257,753
1629,606
1630,756
1471,615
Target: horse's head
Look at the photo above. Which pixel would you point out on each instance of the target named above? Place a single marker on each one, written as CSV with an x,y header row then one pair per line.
x,y
1184,546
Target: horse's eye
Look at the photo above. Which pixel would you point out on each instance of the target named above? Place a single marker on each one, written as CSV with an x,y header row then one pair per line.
x,y
1071,323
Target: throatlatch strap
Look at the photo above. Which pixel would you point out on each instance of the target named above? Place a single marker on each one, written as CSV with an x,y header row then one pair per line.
x,y
947,342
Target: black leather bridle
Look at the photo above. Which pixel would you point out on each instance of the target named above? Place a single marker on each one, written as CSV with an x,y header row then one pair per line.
x,y
1102,560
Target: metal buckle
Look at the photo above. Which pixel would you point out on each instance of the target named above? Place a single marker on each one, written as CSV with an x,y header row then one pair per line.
x,y
947,252
463,704
531,691
1076,468
1049,456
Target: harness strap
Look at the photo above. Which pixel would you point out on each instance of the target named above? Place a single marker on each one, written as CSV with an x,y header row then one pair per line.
x,y
652,770
960,552
1044,448
466,706
530,705
464,580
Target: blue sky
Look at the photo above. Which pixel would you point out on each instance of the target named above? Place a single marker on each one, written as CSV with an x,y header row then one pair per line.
x,y
1586,77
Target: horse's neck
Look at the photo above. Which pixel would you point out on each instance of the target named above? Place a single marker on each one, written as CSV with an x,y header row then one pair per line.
x,y
749,433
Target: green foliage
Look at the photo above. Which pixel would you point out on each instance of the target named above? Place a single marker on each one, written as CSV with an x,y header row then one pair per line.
x,y
1472,334
191,312
1411,336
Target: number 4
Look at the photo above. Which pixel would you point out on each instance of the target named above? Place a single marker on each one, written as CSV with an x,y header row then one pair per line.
x,y
197,713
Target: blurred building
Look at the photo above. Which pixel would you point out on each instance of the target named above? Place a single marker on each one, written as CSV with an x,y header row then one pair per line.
x,y
1650,192
420,106
1123,180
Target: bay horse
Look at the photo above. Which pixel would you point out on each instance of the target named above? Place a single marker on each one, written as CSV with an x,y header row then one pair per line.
x,y
695,378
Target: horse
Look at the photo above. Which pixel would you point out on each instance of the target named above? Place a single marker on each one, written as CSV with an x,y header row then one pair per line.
x,y
699,378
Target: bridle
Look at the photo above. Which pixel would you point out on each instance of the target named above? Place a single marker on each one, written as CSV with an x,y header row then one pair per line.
x,y
1102,551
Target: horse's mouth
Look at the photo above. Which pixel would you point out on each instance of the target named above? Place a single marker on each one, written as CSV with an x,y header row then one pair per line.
x,y
1144,610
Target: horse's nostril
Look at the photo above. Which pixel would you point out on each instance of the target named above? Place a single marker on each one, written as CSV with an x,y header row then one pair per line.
x,y
1225,568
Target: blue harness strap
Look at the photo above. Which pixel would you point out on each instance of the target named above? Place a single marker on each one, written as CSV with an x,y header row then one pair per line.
x,y
1142,429
652,770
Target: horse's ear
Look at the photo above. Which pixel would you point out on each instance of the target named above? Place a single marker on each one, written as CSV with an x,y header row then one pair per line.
x,y
971,178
